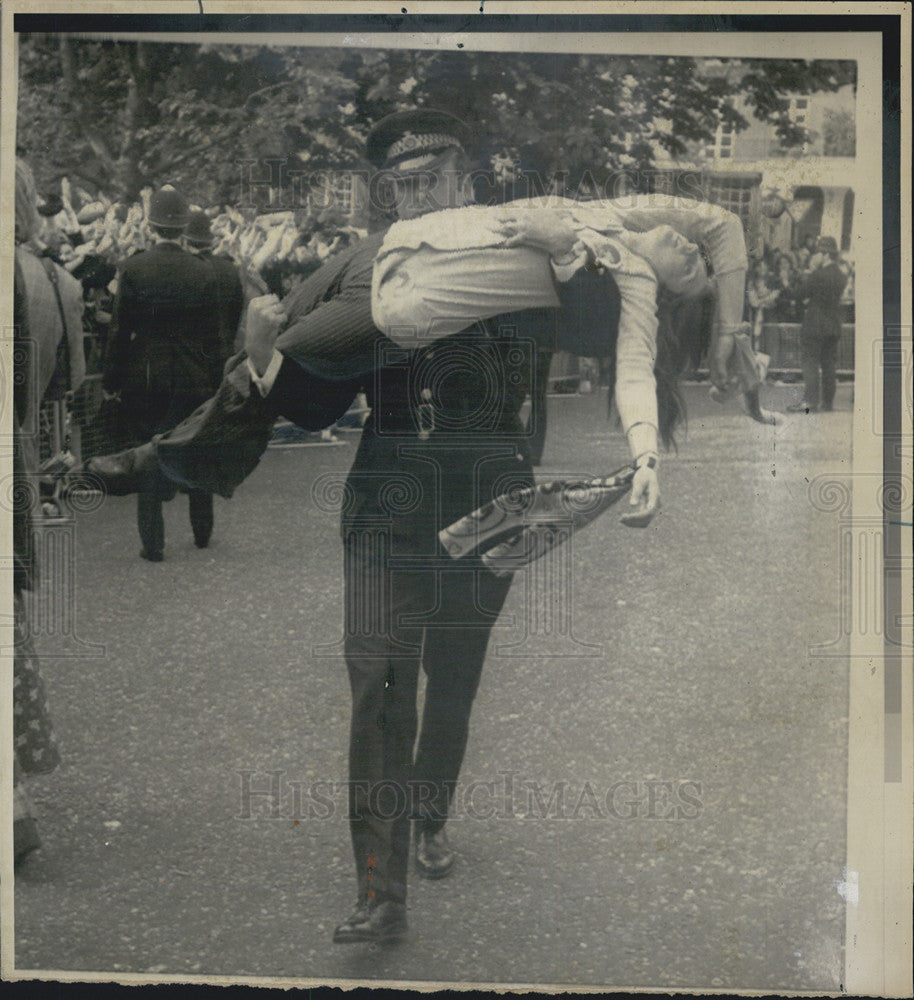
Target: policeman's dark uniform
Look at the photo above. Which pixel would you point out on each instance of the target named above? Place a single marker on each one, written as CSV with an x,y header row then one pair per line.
x,y
229,289
820,330
165,356
444,436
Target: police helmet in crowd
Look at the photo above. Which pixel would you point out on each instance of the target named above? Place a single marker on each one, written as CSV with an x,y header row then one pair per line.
x,y
827,244
198,233
168,209
51,206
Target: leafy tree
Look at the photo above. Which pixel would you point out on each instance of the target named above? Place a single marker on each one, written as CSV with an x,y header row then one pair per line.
x,y
120,115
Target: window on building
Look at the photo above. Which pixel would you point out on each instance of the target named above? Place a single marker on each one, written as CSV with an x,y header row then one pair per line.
x,y
723,140
733,194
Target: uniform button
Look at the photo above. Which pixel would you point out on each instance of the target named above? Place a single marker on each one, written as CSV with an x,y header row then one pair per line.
x,y
426,395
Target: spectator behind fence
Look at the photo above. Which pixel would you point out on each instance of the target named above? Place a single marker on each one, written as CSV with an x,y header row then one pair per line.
x,y
820,332
786,281
761,296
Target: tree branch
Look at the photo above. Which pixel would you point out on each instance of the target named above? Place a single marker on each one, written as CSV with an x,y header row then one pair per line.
x,y
98,144
175,161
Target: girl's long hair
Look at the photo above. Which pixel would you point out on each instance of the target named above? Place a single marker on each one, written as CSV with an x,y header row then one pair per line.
x,y
683,333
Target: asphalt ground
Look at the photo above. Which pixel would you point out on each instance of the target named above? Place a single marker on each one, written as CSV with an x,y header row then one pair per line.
x,y
654,790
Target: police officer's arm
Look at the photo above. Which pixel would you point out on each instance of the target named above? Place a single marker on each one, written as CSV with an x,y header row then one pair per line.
x,y
306,372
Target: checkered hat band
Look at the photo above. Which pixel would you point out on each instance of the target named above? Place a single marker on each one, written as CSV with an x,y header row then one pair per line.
x,y
413,145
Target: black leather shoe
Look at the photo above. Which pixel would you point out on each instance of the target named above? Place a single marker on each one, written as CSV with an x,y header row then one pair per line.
x,y
124,472
201,541
434,857
382,923
151,556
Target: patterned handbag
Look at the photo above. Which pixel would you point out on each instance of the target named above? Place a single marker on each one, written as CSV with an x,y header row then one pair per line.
x,y
519,526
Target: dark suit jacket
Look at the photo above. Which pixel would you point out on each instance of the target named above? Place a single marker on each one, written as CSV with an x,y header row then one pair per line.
x,y
166,338
824,287
231,296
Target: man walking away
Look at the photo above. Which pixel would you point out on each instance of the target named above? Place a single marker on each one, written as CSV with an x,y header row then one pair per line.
x,y
165,355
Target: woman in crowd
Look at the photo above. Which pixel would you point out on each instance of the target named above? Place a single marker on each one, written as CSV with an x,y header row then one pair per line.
x,y
761,297
786,282
55,307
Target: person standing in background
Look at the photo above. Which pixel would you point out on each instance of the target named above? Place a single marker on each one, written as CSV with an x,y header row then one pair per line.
x,y
822,286
785,281
36,750
198,239
760,297
165,355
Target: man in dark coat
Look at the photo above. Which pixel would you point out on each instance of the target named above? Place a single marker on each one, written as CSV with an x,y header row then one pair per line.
x,y
820,331
165,355
198,239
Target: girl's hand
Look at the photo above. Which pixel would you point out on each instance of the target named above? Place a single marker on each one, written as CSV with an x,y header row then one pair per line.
x,y
645,499
542,230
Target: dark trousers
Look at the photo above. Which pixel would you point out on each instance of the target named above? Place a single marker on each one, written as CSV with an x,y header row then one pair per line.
x,y
148,415
536,423
151,523
429,615
819,353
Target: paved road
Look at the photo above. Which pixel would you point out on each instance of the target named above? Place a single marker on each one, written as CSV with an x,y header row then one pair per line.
x,y
657,790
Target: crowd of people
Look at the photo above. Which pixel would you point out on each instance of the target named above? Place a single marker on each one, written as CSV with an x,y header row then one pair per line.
x,y
775,285
91,236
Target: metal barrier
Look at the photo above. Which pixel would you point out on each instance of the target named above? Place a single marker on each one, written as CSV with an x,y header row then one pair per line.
x,y
781,341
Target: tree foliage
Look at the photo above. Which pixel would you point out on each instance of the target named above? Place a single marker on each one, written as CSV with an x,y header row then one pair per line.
x,y
120,115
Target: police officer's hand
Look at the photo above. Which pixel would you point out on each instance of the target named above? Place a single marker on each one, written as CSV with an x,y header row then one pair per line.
x,y
265,319
541,230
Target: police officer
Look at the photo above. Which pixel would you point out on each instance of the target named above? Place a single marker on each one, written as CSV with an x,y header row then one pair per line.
x,y
822,285
165,355
198,239
444,437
